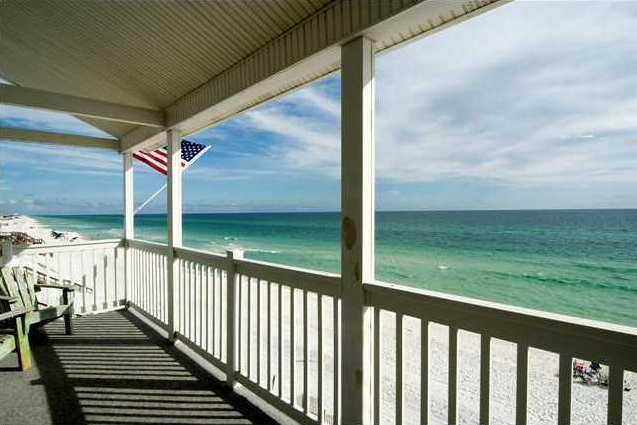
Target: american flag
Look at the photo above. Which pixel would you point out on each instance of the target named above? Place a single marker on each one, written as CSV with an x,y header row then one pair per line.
x,y
190,152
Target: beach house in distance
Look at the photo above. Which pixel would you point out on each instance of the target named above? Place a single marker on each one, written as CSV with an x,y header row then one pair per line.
x,y
167,334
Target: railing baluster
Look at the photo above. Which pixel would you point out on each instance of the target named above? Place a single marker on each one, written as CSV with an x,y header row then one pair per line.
x,y
134,283
424,372
306,361
269,337
453,375
239,336
213,329
191,304
377,366
183,300
564,390
217,315
399,368
292,350
105,276
142,278
164,293
146,266
336,361
319,383
485,377
615,395
59,258
521,384
280,341
94,267
156,285
249,328
47,267
208,348
196,278
115,276
203,292
84,282
258,332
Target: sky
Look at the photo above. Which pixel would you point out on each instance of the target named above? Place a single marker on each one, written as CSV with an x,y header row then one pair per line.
x,y
532,105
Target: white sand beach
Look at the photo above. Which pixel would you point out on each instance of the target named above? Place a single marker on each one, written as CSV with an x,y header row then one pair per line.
x,y
35,229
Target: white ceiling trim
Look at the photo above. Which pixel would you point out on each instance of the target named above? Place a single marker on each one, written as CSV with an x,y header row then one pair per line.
x,y
81,106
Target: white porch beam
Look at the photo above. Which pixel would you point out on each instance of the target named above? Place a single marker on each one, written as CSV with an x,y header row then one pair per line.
x,y
32,136
143,138
174,223
40,99
129,221
357,237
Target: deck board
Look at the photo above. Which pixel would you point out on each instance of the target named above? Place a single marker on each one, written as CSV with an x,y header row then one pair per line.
x,y
114,369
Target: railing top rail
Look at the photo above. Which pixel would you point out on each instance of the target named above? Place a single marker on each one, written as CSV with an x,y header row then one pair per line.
x,y
314,281
548,331
198,255
144,243
71,245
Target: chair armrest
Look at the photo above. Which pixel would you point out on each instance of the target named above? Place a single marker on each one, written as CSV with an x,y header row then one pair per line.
x,y
10,300
63,288
15,313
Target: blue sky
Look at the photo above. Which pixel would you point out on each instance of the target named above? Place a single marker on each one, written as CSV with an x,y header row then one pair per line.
x,y
532,105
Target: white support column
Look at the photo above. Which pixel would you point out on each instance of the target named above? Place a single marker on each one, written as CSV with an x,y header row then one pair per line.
x,y
129,222
357,240
174,223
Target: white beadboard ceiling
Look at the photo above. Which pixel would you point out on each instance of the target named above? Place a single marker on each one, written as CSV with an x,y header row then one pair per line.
x,y
200,61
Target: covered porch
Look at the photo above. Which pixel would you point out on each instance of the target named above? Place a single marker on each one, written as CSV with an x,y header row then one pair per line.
x,y
303,345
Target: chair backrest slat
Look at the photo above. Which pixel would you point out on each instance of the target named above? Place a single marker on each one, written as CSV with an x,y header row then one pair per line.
x,y
30,278
23,287
11,286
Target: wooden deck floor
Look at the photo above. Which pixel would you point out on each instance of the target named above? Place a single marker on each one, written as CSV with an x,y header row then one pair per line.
x,y
114,369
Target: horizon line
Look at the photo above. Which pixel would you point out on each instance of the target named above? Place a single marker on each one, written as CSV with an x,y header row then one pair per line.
x,y
337,211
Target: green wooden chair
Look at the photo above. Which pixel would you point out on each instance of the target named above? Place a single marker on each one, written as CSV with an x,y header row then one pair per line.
x,y
13,334
21,284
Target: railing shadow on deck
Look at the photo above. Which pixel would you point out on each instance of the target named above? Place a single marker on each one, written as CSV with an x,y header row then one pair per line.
x,y
116,369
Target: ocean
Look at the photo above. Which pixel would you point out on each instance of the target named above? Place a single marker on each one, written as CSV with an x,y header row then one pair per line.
x,y
577,262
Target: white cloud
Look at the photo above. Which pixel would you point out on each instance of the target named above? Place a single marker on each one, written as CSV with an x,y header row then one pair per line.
x,y
63,160
519,94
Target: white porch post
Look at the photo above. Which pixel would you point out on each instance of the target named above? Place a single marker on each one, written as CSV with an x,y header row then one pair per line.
x,y
129,222
174,223
357,237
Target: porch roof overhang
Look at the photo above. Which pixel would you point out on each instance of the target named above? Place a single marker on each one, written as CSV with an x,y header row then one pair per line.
x,y
137,68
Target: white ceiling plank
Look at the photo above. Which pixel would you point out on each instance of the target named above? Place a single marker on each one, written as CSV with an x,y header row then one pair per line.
x,y
39,99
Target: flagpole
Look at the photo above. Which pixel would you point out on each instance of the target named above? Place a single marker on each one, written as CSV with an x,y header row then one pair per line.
x,y
185,166
150,199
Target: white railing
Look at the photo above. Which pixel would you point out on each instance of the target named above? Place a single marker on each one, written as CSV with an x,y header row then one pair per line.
x,y
95,267
275,330
288,338
201,292
148,281
405,320
255,319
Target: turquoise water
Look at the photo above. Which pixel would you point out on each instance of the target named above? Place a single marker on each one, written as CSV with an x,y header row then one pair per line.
x,y
577,262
